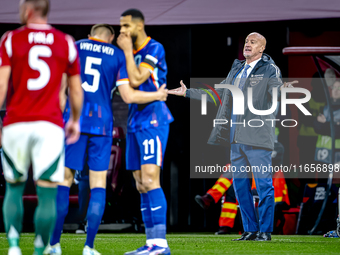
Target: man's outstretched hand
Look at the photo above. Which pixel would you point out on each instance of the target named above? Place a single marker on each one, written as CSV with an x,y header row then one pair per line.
x,y
289,84
179,91
162,93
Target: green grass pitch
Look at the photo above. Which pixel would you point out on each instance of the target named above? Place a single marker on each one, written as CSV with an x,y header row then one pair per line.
x,y
186,244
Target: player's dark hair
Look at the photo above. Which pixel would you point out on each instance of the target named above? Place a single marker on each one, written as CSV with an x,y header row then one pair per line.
x,y
135,14
107,26
42,6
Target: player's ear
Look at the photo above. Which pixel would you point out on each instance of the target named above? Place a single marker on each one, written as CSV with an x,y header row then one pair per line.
x,y
29,12
140,26
111,38
88,36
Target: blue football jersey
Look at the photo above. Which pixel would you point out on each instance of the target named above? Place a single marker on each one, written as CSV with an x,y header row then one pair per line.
x,y
103,67
151,55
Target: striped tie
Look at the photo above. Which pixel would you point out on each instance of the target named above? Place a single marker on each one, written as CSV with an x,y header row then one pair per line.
x,y
243,77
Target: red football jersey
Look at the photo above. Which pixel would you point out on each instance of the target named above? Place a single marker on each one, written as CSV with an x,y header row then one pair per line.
x,y
38,56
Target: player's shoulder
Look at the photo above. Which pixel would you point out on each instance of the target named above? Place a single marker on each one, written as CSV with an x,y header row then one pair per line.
x,y
155,44
59,34
83,41
12,33
5,35
118,54
17,31
117,50
155,48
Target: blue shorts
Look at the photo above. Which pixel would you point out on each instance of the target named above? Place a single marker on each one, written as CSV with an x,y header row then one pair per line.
x,y
146,147
96,150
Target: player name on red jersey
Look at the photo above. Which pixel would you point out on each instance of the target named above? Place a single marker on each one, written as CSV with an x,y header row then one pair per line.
x,y
40,37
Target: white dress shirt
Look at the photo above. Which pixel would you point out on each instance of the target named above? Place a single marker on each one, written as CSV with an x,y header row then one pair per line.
x,y
252,65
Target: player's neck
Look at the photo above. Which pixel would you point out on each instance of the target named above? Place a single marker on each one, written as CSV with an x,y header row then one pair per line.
x,y
36,20
140,40
99,38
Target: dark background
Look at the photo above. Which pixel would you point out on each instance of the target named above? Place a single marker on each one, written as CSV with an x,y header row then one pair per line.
x,y
204,51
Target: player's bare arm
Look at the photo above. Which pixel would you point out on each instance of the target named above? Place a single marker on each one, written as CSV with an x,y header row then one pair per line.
x,y
130,95
76,94
5,73
179,91
62,92
137,75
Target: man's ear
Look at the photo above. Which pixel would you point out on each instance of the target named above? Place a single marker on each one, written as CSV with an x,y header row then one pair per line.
x,y
111,38
140,26
28,12
262,49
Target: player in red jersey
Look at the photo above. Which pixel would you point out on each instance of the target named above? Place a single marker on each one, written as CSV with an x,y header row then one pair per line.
x,y
34,57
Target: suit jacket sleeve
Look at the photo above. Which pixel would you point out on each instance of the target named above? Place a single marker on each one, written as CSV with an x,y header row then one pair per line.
x,y
275,81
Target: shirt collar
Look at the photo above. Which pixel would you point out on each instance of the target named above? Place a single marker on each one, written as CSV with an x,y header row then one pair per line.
x,y
253,64
147,40
39,26
97,39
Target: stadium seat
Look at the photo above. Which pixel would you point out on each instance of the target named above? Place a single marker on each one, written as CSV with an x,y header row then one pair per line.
x,y
114,167
291,218
114,172
118,134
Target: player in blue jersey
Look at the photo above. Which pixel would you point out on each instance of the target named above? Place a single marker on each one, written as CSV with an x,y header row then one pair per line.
x,y
102,69
148,127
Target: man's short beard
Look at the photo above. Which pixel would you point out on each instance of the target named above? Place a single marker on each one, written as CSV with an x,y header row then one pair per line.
x,y
134,38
